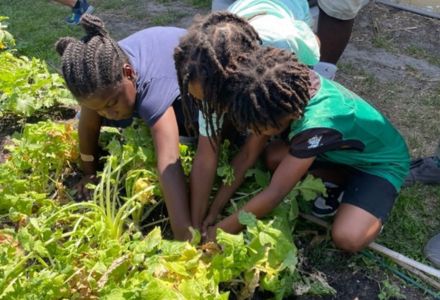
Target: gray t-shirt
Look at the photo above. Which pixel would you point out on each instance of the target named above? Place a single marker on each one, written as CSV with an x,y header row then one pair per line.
x,y
151,54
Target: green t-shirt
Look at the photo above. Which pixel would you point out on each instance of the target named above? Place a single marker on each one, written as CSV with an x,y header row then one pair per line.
x,y
340,127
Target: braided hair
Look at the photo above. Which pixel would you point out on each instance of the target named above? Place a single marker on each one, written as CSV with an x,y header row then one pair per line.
x,y
93,63
255,85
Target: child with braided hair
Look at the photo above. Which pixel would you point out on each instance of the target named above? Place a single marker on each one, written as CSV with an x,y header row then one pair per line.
x,y
334,134
118,80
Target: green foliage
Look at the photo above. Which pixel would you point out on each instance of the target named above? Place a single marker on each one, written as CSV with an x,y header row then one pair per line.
x,y
36,165
200,3
412,205
26,86
95,249
389,291
224,169
6,39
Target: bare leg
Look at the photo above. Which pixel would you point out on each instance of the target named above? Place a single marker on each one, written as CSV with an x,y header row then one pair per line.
x,y
334,35
354,228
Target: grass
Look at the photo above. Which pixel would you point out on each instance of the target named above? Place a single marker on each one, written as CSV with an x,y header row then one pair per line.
x,y
169,16
36,34
382,41
417,52
406,232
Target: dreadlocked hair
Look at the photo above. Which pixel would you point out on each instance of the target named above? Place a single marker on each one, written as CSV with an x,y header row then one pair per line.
x,y
265,86
93,63
206,53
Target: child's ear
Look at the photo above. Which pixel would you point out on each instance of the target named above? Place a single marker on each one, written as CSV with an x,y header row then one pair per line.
x,y
128,71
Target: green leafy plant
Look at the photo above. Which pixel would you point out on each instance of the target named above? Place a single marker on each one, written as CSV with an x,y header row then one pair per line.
x,y
96,249
26,86
224,169
389,291
6,39
38,160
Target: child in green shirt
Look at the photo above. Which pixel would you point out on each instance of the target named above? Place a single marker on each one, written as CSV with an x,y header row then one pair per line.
x,y
334,133
280,24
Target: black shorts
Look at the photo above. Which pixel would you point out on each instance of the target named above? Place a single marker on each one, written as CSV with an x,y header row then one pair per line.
x,y
372,193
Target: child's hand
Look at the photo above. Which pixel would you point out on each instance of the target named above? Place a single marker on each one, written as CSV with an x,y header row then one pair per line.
x,y
209,221
210,234
83,193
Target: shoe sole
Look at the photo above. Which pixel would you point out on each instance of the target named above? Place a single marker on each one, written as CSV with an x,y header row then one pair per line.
x,y
90,10
324,215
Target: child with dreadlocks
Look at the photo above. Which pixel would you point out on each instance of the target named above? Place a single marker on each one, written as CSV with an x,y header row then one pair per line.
x,y
333,132
280,23
116,81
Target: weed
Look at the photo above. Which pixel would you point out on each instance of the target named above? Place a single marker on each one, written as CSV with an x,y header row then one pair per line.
x,y
389,291
382,41
417,52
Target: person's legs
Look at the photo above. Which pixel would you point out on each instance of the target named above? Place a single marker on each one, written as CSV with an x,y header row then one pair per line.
x,y
335,24
354,228
334,35
366,205
366,201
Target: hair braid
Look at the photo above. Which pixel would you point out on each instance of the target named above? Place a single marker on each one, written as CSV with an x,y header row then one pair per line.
x,y
93,63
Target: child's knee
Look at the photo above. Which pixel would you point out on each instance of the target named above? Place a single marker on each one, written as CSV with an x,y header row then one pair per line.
x,y
348,240
274,154
271,161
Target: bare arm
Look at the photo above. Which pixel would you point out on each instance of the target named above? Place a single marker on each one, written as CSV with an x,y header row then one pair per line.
x,y
165,135
202,178
288,173
241,163
88,131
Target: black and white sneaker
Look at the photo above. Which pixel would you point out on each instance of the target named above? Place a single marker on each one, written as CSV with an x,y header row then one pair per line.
x,y
327,206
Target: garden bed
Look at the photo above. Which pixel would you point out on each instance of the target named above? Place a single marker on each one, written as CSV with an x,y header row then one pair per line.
x,y
393,61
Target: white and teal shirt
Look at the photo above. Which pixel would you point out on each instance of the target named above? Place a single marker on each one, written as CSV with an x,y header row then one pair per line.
x,y
284,24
